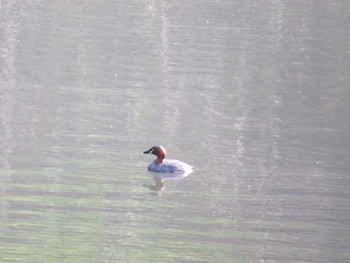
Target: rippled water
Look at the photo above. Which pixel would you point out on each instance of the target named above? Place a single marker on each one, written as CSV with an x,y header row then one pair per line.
x,y
253,94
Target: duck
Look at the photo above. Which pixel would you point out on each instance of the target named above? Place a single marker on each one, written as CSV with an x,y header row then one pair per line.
x,y
162,165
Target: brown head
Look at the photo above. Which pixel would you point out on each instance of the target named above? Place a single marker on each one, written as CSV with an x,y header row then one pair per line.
x,y
158,151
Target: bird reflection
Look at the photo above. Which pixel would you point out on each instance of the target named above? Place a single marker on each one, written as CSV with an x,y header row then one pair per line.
x,y
159,180
158,185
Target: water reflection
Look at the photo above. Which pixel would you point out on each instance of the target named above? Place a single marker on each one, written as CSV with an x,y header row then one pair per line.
x,y
160,178
158,185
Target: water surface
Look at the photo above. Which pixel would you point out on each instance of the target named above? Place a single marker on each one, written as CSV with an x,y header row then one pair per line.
x,y
253,94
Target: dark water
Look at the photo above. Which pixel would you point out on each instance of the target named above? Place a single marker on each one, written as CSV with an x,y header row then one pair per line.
x,y
254,94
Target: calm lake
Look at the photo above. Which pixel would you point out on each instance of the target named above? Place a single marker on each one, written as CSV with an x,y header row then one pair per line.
x,y
254,94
